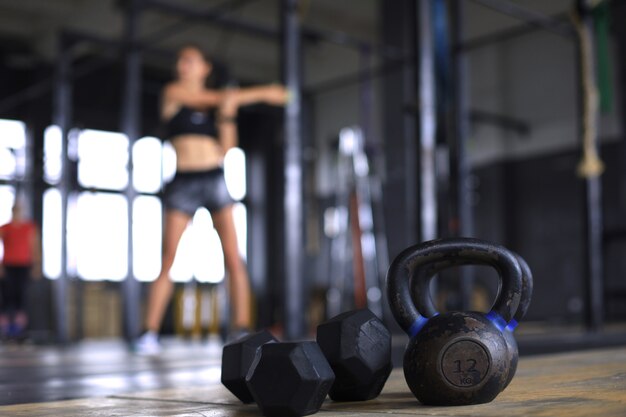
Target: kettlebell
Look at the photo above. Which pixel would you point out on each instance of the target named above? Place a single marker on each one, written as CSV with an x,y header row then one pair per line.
x,y
527,293
420,293
455,358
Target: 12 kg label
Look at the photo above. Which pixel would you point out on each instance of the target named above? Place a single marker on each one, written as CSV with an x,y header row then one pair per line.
x,y
465,363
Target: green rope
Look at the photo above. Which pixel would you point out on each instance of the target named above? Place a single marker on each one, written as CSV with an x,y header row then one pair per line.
x,y
601,17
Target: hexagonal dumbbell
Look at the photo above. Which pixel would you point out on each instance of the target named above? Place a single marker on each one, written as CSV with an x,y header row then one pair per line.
x,y
358,347
290,379
236,360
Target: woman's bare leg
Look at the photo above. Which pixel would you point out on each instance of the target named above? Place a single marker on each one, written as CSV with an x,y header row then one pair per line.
x,y
239,284
161,288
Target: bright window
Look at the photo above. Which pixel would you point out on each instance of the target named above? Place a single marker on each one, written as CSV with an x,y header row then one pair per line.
x,y
235,173
199,253
168,162
147,232
52,154
8,163
240,216
51,233
147,153
12,134
102,159
12,148
101,236
97,222
73,234
7,198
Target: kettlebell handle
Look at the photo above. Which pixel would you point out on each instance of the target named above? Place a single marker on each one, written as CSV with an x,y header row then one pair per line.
x,y
412,260
422,298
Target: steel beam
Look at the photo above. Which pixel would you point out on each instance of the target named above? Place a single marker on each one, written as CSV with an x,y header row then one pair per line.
x,y
364,75
594,257
72,38
427,121
130,121
532,17
505,34
618,13
458,137
294,300
261,31
62,117
214,17
501,120
214,12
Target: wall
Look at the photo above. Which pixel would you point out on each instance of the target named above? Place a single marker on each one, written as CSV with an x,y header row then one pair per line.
x,y
532,78
528,195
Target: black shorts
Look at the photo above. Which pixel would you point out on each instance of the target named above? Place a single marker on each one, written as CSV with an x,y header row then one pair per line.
x,y
13,287
189,191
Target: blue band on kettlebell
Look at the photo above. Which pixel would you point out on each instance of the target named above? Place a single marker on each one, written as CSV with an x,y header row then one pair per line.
x,y
417,325
497,320
512,325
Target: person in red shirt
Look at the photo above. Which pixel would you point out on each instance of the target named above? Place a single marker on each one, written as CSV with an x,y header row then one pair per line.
x,y
21,255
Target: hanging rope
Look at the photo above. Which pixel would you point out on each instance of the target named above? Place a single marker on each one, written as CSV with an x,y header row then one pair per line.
x,y
590,165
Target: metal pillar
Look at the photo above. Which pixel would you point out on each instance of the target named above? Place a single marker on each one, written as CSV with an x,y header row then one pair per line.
x,y
294,300
427,121
130,120
399,171
618,13
593,212
62,118
459,133
410,223
371,150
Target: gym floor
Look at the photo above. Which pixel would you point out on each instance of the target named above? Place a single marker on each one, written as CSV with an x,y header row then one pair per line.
x,y
107,381
35,374
102,368
375,125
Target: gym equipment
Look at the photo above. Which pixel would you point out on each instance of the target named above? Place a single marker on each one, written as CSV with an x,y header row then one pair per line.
x,y
423,301
358,242
455,358
237,357
358,347
527,293
290,379
590,165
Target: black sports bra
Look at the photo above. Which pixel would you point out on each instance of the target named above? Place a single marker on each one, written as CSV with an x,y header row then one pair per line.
x,y
190,121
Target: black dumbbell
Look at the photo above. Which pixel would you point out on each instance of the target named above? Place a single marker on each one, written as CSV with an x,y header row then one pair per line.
x,y
289,379
454,358
358,347
237,357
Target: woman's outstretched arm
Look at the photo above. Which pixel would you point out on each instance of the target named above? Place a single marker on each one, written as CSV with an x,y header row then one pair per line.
x,y
227,120
199,98
270,94
174,96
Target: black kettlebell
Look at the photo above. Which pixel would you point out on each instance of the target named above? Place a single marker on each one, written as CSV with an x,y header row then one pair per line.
x,y
527,293
420,293
455,358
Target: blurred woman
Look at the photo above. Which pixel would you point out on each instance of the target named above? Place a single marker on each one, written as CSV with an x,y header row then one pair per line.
x,y
22,254
201,125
